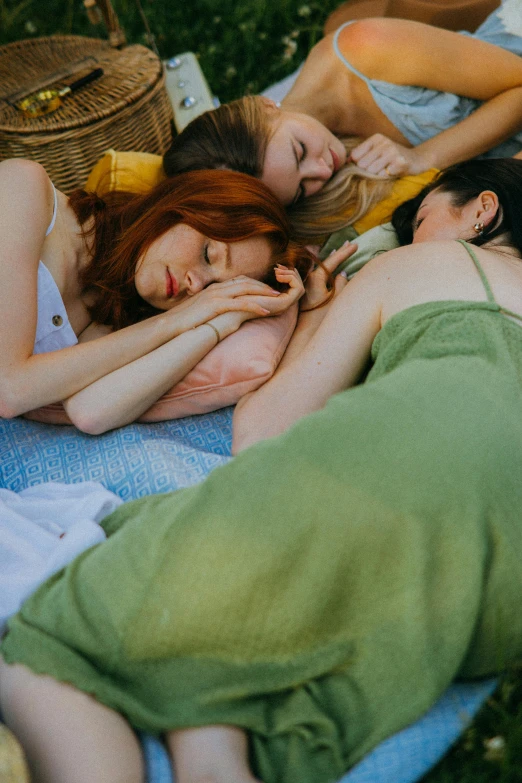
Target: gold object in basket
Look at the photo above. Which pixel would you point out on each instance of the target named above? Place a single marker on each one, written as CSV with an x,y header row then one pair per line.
x,y
47,101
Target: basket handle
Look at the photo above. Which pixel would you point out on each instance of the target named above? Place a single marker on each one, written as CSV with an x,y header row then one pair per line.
x,y
108,14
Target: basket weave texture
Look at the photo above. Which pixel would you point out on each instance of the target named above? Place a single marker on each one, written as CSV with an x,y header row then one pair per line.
x,y
128,108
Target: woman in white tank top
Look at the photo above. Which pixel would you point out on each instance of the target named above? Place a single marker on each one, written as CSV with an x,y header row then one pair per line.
x,y
157,279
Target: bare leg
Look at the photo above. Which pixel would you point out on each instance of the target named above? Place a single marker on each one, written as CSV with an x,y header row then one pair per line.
x,y
67,736
210,754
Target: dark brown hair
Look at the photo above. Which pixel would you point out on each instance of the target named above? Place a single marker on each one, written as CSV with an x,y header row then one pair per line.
x,y
464,182
233,136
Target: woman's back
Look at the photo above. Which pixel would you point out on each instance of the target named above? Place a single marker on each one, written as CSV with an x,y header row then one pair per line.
x,y
442,271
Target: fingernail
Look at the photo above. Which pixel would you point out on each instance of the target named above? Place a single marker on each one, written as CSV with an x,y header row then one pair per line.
x,y
344,274
333,251
348,242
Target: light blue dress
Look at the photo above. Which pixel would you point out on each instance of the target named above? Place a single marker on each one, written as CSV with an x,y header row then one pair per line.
x,y
420,113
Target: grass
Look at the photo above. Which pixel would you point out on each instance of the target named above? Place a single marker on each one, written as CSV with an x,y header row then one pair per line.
x,y
244,46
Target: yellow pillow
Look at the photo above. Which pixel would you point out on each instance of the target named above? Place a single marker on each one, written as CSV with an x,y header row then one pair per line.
x,y
134,172
138,172
403,189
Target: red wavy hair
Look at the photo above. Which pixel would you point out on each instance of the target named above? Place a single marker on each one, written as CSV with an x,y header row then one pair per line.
x,y
223,205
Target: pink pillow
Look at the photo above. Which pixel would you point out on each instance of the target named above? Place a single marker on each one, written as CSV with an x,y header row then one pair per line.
x,y
239,364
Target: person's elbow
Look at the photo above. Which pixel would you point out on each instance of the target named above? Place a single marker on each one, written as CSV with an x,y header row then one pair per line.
x,y
89,418
11,400
7,409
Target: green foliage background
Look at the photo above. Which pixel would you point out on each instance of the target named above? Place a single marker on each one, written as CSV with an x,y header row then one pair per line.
x,y
243,46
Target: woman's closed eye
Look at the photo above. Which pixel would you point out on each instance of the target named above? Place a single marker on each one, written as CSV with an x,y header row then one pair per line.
x,y
206,256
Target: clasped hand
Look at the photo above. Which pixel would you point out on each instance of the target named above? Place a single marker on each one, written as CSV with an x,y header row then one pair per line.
x,y
380,155
241,299
317,290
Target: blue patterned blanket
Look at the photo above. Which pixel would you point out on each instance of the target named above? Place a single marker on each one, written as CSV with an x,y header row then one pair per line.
x,y
143,459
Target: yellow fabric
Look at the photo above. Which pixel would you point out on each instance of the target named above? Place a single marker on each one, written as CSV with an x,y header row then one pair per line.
x,y
136,172
404,189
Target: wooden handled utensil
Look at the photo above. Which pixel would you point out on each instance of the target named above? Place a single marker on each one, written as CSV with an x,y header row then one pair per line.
x,y
47,101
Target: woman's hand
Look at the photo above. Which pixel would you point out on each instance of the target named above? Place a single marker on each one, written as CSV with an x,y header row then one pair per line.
x,y
380,155
237,294
316,289
229,322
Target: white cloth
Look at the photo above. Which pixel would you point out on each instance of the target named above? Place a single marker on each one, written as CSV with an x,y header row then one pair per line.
x,y
53,330
42,529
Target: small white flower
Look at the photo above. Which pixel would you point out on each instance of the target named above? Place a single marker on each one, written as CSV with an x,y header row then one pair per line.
x,y
294,34
304,10
30,27
495,748
290,49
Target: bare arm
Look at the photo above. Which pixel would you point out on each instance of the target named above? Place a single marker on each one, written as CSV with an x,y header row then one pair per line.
x,y
123,395
439,60
29,381
332,360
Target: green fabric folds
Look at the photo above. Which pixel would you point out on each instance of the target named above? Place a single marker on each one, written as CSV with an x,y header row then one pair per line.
x,y
323,588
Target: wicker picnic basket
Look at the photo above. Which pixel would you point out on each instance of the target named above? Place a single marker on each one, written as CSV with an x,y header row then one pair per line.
x,y
128,108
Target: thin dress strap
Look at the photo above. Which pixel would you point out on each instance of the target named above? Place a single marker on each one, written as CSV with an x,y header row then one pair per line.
x,y
485,281
55,211
343,58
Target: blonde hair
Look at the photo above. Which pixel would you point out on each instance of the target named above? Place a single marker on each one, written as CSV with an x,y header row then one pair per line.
x,y
349,195
236,135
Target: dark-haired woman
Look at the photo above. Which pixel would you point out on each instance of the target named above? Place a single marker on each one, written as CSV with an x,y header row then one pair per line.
x,y
191,254
321,590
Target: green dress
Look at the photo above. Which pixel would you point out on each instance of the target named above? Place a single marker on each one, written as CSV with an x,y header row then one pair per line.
x,y
323,588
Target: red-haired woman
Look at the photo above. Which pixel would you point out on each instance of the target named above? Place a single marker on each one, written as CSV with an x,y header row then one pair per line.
x,y
191,254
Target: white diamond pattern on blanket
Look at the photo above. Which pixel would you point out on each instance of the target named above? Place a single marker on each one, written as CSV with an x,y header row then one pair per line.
x,y
142,459
133,461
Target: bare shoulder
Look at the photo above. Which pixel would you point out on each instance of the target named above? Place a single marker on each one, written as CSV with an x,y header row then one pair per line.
x,y
402,51
26,193
371,45
19,170
418,260
420,252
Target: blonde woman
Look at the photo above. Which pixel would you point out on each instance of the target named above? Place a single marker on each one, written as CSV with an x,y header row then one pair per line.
x,y
421,97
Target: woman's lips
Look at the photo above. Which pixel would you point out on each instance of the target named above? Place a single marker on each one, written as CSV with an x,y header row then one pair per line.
x,y
172,285
335,160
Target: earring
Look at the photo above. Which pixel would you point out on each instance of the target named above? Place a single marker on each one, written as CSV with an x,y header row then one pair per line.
x,y
479,228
